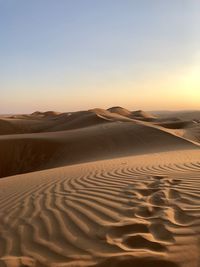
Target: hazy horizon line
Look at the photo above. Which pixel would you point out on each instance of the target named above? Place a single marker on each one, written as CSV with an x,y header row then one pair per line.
x,y
77,110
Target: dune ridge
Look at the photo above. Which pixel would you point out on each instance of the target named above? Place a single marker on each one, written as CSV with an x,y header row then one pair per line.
x,y
29,152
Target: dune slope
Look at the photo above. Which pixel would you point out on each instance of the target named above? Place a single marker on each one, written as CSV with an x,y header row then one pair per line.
x,y
99,188
136,211
30,152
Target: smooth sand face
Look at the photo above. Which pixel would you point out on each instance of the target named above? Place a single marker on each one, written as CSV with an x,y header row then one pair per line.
x,y
140,210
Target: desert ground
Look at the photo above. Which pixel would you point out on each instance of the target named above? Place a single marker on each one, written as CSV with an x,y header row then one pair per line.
x,y
104,188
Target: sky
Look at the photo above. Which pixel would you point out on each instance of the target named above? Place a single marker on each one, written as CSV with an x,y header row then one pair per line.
x,y
68,55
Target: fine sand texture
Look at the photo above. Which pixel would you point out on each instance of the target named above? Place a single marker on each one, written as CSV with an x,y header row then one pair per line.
x,y
100,188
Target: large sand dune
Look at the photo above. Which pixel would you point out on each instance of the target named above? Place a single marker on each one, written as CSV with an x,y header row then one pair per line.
x,y
28,152
131,197
136,211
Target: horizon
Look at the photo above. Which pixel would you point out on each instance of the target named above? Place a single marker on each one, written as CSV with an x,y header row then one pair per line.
x,y
78,110
82,54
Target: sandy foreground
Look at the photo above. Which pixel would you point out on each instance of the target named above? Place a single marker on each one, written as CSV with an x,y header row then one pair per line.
x,y
99,188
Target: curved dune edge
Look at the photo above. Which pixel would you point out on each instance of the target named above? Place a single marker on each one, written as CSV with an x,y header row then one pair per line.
x,y
134,211
31,152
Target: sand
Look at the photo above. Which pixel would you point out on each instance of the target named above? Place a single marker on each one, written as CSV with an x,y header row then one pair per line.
x,y
99,188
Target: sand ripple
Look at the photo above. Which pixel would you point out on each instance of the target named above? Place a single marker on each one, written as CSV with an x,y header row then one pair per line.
x,y
109,213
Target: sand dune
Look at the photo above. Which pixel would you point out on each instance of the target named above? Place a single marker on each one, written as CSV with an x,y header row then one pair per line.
x,y
138,114
135,211
120,111
28,152
45,114
106,188
180,115
193,133
141,115
48,122
176,124
187,129
51,121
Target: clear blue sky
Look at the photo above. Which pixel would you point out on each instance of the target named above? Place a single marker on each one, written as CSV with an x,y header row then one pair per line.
x,y
78,54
